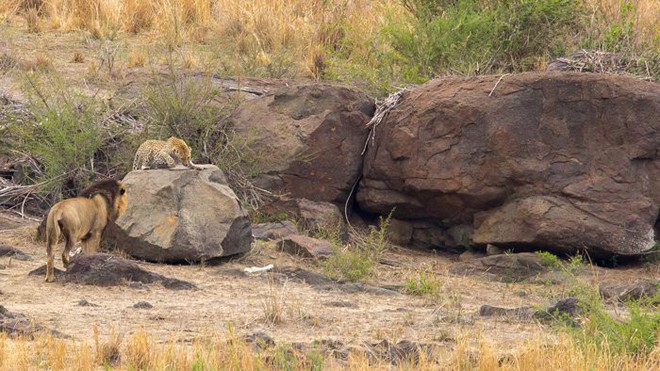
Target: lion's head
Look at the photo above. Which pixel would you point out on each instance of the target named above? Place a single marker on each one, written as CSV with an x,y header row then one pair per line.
x,y
114,192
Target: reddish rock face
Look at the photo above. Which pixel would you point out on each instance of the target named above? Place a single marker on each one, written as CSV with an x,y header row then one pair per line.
x,y
306,139
552,160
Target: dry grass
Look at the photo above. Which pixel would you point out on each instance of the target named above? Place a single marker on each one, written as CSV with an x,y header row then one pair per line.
x,y
230,352
274,302
264,28
137,58
645,18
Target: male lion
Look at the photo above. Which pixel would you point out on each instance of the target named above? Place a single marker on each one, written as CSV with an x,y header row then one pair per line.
x,y
83,219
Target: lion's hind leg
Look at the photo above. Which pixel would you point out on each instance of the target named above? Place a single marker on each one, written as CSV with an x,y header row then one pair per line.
x,y
50,276
70,242
53,231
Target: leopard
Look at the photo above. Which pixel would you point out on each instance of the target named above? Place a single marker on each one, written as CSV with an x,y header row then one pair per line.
x,y
159,154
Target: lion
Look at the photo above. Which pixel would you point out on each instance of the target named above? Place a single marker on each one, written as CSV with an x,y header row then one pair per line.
x,y
163,154
83,219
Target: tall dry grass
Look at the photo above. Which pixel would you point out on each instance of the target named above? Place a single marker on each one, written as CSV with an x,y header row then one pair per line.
x,y
258,29
644,18
228,352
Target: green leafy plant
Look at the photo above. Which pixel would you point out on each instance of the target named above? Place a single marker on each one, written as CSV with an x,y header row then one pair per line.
x,y
549,259
635,334
422,285
65,135
355,261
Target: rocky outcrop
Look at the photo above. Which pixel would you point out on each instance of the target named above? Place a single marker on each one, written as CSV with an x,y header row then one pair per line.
x,y
306,140
180,215
554,161
99,269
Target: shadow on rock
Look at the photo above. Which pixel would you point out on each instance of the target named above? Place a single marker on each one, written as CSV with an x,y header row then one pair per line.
x,y
100,269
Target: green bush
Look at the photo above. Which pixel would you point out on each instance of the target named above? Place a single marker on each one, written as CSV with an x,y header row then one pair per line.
x,y
636,334
64,134
473,36
548,259
355,261
423,285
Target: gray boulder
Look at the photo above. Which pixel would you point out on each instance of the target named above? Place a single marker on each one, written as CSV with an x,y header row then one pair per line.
x,y
178,215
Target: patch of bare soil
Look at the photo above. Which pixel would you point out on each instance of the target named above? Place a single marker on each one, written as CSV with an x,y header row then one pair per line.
x,y
312,306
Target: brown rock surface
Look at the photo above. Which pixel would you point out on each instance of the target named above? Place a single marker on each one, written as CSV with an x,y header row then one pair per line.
x,y
559,161
307,247
307,139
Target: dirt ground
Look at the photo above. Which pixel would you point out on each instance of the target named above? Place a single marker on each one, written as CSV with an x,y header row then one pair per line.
x,y
227,295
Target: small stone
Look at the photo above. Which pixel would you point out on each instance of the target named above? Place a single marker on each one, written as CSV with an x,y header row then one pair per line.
x,y
85,303
307,247
142,305
493,250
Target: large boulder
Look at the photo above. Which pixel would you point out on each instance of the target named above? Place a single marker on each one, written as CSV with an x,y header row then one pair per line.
x,y
178,215
559,161
306,140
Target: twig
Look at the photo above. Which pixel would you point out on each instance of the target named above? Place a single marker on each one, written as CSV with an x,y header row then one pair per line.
x,y
497,83
382,109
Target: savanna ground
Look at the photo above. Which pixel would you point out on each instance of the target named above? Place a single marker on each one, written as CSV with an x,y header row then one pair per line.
x,y
184,328
95,78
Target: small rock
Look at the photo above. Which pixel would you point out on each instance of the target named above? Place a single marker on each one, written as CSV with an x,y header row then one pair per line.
x,y
10,251
18,324
355,287
273,231
470,255
628,291
142,305
136,285
341,304
306,246
491,311
259,341
400,352
85,303
564,309
313,215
